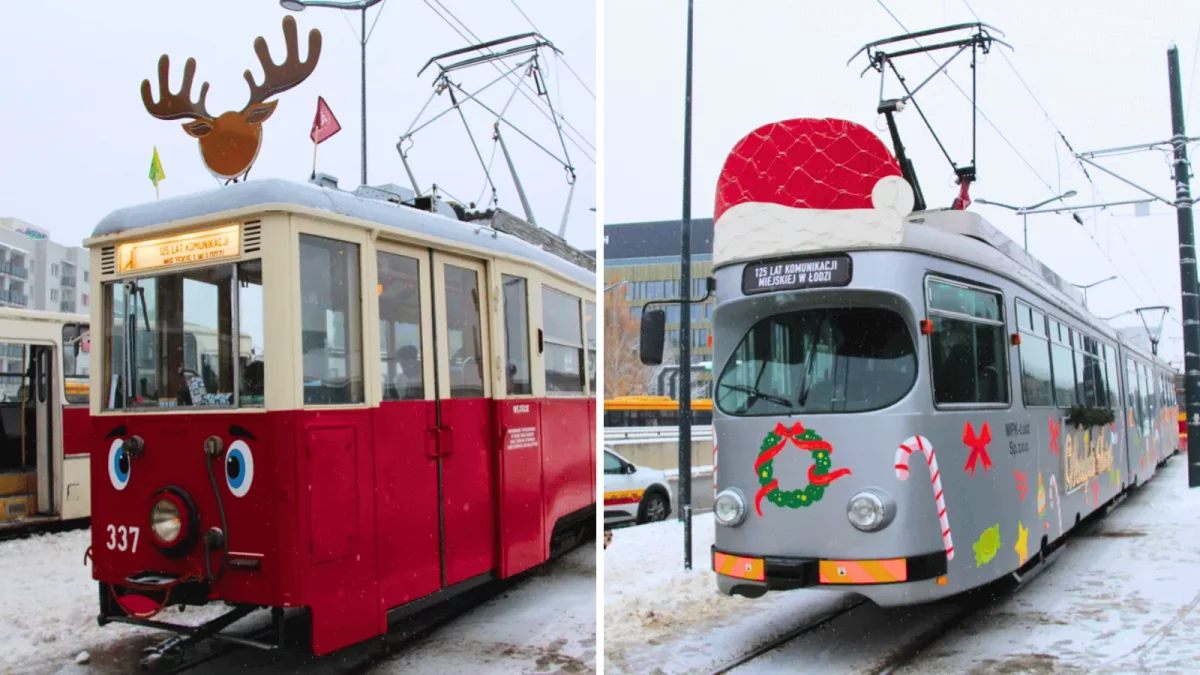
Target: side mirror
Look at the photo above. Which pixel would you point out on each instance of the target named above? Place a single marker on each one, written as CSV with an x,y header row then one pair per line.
x,y
654,334
630,468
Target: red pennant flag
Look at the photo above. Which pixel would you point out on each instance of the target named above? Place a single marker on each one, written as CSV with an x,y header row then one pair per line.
x,y
324,124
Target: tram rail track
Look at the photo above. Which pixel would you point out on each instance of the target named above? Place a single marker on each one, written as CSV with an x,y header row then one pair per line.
x,y
972,602
401,634
802,629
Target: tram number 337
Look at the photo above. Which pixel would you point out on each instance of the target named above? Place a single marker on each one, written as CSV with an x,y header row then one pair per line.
x,y
123,538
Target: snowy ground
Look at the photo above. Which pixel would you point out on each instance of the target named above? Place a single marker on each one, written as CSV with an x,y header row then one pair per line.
x,y
48,604
1120,598
659,618
546,623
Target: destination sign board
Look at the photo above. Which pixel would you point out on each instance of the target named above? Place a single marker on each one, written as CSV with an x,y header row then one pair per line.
x,y
791,275
220,242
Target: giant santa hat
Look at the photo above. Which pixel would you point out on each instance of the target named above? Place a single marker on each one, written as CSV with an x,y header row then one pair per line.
x,y
805,185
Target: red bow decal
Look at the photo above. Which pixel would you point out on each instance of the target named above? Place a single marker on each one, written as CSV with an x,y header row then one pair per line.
x,y
978,447
1053,435
784,434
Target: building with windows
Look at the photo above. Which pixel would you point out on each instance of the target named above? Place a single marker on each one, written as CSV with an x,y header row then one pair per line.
x,y
37,273
644,259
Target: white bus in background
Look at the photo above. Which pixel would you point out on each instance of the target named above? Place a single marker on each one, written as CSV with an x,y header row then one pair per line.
x,y
44,362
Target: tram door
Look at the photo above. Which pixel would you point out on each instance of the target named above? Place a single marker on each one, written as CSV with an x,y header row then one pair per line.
x,y
26,448
465,438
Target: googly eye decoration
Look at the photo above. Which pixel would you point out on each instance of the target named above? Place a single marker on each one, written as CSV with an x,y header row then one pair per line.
x,y
239,468
118,464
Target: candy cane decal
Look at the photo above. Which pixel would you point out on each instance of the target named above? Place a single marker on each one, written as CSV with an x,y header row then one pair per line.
x,y
935,479
1057,503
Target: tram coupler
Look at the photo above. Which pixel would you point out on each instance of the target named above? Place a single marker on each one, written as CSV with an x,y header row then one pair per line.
x,y
171,648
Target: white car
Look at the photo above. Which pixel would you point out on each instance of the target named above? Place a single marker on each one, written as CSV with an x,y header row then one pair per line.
x,y
632,494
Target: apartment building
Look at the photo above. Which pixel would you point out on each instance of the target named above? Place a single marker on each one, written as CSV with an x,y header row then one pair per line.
x,y
37,273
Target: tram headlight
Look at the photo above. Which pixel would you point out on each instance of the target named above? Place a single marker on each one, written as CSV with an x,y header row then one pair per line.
x,y
166,521
870,510
729,508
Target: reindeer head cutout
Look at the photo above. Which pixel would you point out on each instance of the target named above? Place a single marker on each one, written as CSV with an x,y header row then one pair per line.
x,y
229,143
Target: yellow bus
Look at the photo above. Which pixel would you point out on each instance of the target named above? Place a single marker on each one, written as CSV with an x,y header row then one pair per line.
x,y
652,411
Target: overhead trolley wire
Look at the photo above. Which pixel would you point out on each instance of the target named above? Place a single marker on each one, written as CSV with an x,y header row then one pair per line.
x,y
521,84
564,60
980,110
1045,182
1067,143
1029,89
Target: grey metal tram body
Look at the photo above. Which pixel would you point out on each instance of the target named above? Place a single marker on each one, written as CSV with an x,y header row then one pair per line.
x,y
898,363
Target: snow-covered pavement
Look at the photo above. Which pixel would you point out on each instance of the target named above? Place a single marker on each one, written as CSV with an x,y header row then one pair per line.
x,y
546,623
659,618
1121,598
48,603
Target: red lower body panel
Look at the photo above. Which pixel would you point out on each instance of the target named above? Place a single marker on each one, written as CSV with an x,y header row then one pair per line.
x,y
343,509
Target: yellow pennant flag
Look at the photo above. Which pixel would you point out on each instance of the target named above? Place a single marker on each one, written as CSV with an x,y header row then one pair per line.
x,y
156,170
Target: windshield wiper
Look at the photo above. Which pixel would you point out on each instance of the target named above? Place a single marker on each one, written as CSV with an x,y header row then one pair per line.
x,y
756,394
808,364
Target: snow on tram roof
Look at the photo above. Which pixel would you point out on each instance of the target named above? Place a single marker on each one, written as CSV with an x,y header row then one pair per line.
x,y
277,191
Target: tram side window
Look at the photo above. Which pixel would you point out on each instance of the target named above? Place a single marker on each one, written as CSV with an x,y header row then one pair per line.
x,y
563,339
1134,415
1064,365
590,321
1035,358
516,336
1085,365
1151,394
968,345
399,290
76,362
250,334
1111,368
464,332
331,320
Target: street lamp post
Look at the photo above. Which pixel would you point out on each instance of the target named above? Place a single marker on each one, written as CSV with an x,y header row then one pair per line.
x,y
1022,210
363,6
1085,287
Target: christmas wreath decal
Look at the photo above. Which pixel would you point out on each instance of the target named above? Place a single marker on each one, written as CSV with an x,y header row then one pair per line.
x,y
819,475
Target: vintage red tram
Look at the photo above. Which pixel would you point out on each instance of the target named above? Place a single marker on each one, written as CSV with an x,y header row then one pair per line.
x,y
415,414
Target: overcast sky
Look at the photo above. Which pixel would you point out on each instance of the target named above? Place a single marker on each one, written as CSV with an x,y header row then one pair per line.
x,y
1098,68
76,141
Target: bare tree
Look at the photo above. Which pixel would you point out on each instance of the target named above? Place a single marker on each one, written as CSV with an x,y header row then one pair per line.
x,y
624,373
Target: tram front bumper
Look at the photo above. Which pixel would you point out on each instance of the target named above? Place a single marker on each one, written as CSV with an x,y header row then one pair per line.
x,y
751,576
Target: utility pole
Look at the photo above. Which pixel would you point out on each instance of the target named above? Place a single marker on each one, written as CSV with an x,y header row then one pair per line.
x,y
1187,269
685,316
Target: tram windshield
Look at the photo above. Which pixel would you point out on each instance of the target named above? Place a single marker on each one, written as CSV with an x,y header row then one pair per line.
x,y
819,360
171,339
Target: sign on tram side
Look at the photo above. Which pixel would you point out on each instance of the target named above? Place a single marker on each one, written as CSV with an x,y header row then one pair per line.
x,y
790,275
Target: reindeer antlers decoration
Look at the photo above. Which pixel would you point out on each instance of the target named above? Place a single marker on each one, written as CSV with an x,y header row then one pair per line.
x,y
229,143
